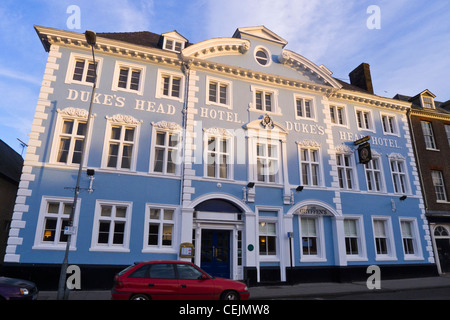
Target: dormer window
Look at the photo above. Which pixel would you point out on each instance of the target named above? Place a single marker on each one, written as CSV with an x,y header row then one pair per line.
x,y
173,41
427,102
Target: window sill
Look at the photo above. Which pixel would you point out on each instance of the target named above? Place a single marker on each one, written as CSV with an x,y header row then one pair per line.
x,y
108,249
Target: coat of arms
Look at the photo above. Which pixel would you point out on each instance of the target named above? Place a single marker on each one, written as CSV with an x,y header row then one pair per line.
x,y
267,122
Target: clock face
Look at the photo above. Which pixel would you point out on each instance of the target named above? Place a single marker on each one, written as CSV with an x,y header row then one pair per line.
x,y
364,153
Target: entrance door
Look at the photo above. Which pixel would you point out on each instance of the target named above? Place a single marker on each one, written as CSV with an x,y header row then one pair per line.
x,y
215,253
443,249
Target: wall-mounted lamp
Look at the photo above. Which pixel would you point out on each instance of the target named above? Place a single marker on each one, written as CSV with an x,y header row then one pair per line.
x,y
403,198
249,192
299,189
90,173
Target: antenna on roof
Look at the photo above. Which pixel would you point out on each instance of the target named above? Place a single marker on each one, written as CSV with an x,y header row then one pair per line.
x,y
22,144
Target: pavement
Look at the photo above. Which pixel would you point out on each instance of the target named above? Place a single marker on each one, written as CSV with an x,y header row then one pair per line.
x,y
303,290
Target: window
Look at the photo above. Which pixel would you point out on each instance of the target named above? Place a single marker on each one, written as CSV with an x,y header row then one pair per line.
x,y
447,131
267,238
165,154
218,92
309,167
120,145
399,175
218,156
71,140
128,77
81,69
337,114
364,120
354,241
427,102
374,175
311,239
345,171
173,45
304,107
389,124
439,187
383,236
264,100
262,56
267,161
188,272
427,130
170,85
410,239
159,227
111,226
54,216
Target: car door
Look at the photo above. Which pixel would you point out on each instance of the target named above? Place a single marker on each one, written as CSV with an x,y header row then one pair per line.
x,y
162,283
194,284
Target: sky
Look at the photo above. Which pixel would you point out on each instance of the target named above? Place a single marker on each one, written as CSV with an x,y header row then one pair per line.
x,y
405,42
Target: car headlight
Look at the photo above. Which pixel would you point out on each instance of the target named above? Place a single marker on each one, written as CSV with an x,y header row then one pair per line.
x,y
24,291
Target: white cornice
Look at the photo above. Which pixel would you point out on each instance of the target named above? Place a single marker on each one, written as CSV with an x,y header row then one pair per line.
x,y
215,47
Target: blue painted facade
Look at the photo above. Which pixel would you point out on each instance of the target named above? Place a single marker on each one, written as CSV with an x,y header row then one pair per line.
x,y
143,206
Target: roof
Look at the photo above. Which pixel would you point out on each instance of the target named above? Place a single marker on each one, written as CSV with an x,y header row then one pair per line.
x,y
141,38
10,163
439,107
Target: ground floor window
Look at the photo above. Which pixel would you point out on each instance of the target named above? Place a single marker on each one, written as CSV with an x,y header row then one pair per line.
x,y
159,227
267,238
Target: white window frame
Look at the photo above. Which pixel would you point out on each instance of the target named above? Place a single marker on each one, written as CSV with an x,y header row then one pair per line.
x,y
360,238
178,148
220,82
396,175
39,243
415,239
371,171
174,44
77,116
369,126
71,68
301,98
310,163
437,178
161,222
113,122
447,131
110,246
428,135
274,100
160,85
424,106
346,169
320,240
391,254
335,107
220,134
278,173
130,66
389,124
266,52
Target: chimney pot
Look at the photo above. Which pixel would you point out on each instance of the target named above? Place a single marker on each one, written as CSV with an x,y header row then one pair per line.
x,y
361,77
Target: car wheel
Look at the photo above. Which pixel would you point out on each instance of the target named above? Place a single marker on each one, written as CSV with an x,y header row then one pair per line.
x,y
140,297
230,295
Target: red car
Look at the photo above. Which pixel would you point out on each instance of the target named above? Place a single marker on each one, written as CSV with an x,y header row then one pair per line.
x,y
174,280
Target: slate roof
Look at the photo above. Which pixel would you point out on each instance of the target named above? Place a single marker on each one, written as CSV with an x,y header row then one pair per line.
x,y
10,163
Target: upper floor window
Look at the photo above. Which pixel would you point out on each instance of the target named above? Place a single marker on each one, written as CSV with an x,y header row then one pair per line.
x,y
389,124
218,155
170,85
128,77
219,92
81,69
268,161
70,132
309,166
447,131
427,102
304,108
337,115
439,187
364,120
427,130
165,154
173,41
345,171
262,56
399,179
120,142
374,175
264,100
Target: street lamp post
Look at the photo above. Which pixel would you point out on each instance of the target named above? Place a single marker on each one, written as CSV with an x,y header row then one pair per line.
x,y
63,292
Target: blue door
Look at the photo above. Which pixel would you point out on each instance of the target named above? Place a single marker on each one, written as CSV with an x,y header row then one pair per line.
x,y
215,255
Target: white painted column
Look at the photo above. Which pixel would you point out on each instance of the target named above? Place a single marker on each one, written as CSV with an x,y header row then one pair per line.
x,y
339,241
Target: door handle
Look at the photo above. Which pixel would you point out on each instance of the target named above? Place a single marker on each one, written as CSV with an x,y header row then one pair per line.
x,y
183,286
151,284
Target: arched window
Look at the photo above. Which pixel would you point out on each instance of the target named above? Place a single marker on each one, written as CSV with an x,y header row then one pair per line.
x,y
441,231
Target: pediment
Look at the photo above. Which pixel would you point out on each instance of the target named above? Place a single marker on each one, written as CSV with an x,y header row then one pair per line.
x,y
267,125
175,35
260,32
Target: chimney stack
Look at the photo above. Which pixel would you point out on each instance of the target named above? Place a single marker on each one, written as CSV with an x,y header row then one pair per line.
x,y
361,78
